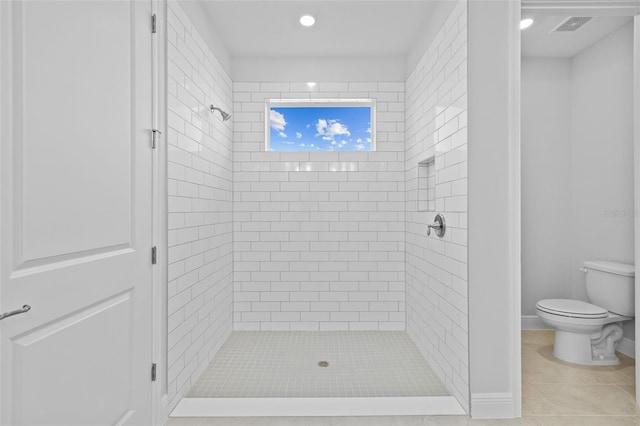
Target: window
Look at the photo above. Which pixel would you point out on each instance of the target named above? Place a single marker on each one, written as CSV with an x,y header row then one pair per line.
x,y
320,125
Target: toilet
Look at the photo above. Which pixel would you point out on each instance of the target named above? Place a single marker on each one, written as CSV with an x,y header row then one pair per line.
x,y
588,333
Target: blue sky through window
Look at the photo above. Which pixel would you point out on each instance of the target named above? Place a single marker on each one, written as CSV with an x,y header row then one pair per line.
x,y
320,128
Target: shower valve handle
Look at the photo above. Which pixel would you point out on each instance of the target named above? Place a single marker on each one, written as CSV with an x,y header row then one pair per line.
x,y
431,226
439,226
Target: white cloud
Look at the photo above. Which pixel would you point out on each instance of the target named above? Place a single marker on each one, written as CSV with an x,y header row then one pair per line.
x,y
298,135
321,126
302,144
329,129
337,129
282,134
369,130
288,142
277,120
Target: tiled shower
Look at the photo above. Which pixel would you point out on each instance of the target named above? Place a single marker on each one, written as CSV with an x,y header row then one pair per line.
x,y
321,241
318,236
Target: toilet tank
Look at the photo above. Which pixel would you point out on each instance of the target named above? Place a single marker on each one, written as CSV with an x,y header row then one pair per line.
x,y
611,286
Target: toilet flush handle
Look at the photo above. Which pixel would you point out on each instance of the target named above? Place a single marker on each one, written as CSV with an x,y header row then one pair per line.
x,y
585,270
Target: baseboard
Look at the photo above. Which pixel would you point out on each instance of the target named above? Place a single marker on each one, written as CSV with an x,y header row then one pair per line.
x,y
533,322
492,406
627,347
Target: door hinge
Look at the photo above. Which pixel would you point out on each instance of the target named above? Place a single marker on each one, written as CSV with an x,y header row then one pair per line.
x,y
154,255
155,134
153,372
154,24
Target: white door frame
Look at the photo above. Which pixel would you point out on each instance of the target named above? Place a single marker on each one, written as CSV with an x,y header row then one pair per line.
x,y
636,167
160,225
607,8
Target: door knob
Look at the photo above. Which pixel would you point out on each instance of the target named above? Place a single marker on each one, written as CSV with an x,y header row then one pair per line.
x,y
25,308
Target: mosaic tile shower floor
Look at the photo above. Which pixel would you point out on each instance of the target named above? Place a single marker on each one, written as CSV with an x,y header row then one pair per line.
x,y
255,364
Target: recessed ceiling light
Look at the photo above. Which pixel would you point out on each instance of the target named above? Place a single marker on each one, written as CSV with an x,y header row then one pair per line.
x,y
526,23
307,20
311,84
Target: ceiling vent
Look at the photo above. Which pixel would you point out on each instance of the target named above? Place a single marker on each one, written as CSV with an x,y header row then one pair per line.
x,y
572,23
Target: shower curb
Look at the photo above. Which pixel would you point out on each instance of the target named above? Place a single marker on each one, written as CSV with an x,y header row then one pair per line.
x,y
285,407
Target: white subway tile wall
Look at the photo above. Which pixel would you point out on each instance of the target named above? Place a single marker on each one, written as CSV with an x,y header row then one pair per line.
x,y
200,163
318,236
436,269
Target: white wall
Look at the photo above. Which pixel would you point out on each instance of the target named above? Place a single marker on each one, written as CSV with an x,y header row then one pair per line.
x,y
200,205
494,207
546,181
199,17
326,69
319,236
577,167
437,295
602,153
440,11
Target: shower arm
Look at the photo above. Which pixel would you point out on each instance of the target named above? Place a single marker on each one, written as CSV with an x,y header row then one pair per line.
x,y
225,115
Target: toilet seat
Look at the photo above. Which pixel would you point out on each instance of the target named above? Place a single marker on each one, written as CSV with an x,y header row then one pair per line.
x,y
571,308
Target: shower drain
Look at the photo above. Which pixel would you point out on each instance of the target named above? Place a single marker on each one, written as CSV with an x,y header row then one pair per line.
x,y
323,364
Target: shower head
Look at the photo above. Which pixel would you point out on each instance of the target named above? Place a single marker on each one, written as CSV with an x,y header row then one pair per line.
x,y
225,115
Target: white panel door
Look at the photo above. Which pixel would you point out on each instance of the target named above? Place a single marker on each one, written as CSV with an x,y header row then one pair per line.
x,y
76,231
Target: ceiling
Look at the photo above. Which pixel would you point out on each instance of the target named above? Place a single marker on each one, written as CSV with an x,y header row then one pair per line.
x,y
344,28
537,40
367,28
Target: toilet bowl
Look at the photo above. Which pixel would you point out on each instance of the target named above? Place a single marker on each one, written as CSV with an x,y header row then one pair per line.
x,y
585,334
588,333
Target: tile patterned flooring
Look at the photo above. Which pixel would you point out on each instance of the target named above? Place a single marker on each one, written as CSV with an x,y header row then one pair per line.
x,y
552,387
268,364
555,393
